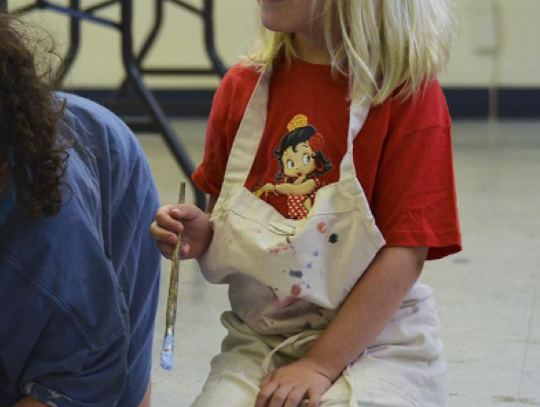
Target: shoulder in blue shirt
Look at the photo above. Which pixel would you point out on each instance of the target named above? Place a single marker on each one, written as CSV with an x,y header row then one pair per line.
x,y
78,290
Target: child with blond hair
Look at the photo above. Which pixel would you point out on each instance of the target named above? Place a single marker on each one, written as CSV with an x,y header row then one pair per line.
x,y
329,168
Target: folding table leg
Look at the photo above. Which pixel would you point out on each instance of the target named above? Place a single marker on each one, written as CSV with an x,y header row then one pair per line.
x,y
148,43
74,40
209,38
134,75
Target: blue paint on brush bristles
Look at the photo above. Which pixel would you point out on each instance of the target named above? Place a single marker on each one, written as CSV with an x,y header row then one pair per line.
x,y
166,360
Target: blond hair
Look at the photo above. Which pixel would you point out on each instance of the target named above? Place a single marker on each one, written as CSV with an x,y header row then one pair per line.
x,y
380,45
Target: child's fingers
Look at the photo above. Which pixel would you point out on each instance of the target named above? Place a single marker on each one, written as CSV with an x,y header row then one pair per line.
x,y
266,393
163,235
184,212
166,250
295,397
165,221
267,379
280,396
314,399
184,250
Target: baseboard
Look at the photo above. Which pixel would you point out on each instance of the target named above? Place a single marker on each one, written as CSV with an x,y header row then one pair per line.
x,y
519,103
513,103
473,103
174,102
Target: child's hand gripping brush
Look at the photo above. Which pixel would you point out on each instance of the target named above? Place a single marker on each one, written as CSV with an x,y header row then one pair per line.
x,y
168,341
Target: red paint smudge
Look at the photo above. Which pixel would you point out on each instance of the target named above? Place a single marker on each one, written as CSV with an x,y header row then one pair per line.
x,y
296,290
257,230
279,249
321,227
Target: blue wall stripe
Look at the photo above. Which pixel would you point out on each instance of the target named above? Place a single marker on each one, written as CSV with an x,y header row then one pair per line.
x,y
467,103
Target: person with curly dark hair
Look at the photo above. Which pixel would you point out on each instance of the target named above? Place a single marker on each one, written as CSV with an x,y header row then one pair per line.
x,y
79,272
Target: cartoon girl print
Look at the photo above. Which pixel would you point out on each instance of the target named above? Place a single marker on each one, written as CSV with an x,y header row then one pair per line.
x,y
301,162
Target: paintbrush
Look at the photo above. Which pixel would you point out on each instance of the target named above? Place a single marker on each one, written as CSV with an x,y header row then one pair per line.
x,y
170,318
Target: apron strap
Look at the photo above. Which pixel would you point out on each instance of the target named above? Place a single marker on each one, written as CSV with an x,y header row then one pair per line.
x,y
249,135
358,116
295,341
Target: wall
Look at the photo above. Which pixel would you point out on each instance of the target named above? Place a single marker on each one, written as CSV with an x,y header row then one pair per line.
x,y
501,48
514,62
498,47
180,43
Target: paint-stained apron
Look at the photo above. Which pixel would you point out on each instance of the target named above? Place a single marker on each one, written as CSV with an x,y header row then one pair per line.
x,y
287,278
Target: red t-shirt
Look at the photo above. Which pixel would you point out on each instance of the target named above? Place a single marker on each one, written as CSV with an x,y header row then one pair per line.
x,y
403,154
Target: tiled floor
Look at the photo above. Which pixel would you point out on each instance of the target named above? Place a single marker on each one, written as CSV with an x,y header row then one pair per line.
x,y
488,295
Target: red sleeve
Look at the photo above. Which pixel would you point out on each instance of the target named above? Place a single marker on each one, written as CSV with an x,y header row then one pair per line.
x,y
414,199
228,107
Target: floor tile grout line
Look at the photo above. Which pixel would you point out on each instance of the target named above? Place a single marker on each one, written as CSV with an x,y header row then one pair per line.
x,y
529,329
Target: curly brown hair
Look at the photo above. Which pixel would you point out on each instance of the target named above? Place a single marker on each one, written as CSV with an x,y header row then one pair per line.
x,y
29,121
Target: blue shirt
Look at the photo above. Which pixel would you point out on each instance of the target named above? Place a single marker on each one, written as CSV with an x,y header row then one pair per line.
x,y
78,290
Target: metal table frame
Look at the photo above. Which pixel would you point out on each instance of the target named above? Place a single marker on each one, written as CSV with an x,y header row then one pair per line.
x,y
133,64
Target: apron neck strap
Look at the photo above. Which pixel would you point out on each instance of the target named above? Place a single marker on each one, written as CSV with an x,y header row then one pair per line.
x,y
357,118
249,135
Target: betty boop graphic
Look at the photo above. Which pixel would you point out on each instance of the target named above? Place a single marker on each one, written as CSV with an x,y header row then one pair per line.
x,y
301,161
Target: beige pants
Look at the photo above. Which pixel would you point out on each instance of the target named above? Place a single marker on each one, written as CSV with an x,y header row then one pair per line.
x,y
403,368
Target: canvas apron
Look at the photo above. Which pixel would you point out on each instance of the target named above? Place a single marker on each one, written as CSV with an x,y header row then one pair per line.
x,y
286,273
287,278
